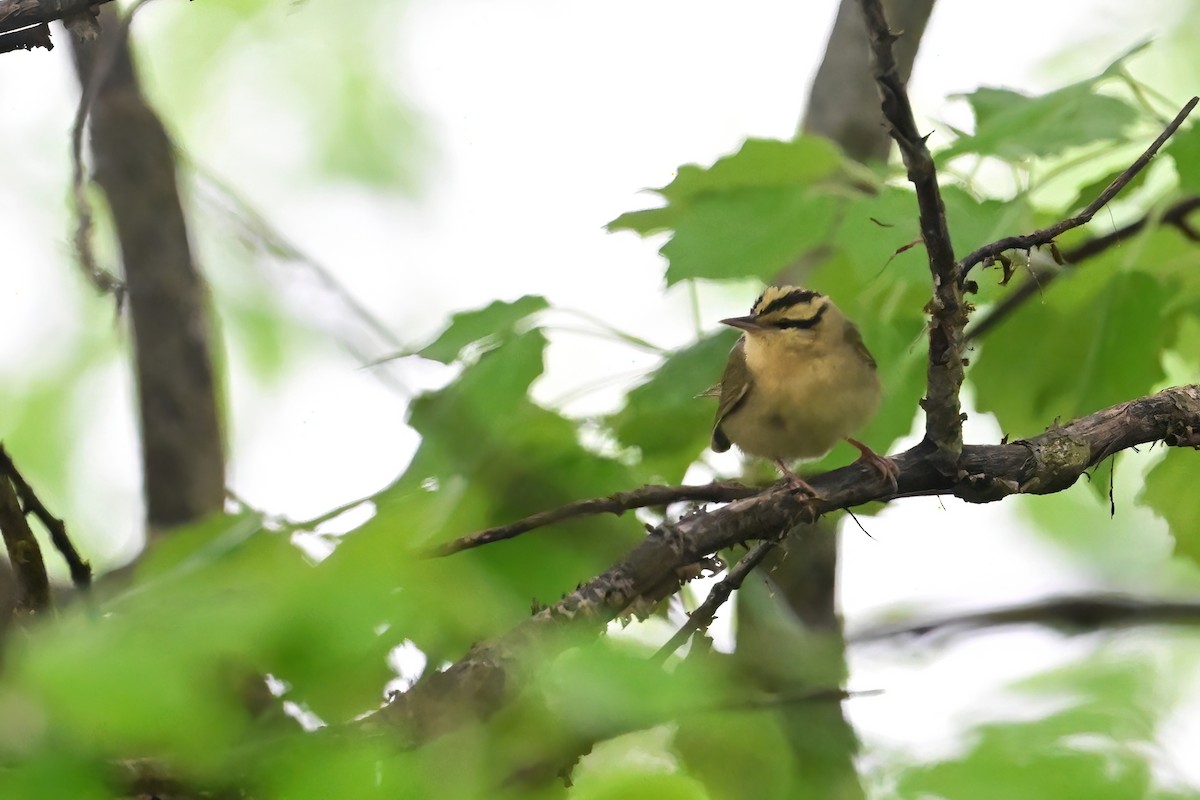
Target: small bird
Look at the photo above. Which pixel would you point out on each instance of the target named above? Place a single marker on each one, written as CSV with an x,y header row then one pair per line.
x,y
798,381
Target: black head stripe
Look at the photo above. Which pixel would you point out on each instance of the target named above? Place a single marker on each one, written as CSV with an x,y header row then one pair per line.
x,y
786,301
811,322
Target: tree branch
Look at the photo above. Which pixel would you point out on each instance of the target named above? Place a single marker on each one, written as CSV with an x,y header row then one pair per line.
x,y
948,312
619,503
1176,215
81,570
485,678
1047,235
1067,614
183,460
27,39
29,568
16,14
706,612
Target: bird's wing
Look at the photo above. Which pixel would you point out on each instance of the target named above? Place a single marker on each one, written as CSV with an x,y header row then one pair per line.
x,y
733,388
854,339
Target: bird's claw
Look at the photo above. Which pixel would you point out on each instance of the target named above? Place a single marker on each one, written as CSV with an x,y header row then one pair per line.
x,y
887,468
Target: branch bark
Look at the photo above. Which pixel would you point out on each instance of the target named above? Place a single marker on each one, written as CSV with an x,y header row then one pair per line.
x,y
948,311
16,14
182,448
844,103
617,504
491,672
24,553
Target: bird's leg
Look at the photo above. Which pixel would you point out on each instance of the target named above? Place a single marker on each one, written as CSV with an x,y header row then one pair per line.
x,y
794,482
885,466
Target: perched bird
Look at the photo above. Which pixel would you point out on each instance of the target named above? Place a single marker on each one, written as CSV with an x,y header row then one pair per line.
x,y
799,380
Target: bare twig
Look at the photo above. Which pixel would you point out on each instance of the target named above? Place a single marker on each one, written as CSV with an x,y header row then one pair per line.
x,y
33,585
948,312
485,678
619,503
101,66
1047,235
1175,215
1067,614
704,613
81,570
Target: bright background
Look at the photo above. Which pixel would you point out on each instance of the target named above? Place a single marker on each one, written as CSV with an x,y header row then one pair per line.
x,y
505,136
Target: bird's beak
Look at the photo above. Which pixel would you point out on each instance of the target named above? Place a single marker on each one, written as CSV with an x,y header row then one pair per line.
x,y
744,323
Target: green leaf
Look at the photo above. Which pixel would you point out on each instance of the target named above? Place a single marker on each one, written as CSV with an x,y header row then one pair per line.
x,y
492,323
488,456
665,418
1087,346
759,164
1184,149
1013,126
747,233
1170,491
750,214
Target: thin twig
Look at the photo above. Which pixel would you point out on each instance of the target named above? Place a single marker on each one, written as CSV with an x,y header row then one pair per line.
x,y
948,311
100,278
1047,235
1067,614
619,503
1176,215
81,570
24,553
704,614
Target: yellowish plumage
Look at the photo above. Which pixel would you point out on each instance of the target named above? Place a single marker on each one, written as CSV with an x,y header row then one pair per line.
x,y
798,381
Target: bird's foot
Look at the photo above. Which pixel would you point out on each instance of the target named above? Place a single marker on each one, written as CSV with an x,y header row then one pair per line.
x,y
887,468
795,483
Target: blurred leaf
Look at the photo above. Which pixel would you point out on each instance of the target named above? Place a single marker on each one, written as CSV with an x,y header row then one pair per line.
x,y
738,755
491,323
664,418
1092,349
1170,491
639,784
488,456
1013,126
57,775
1184,149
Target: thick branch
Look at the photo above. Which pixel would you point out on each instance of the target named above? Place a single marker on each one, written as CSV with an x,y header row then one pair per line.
x,y
26,39
15,14
617,504
844,102
1176,216
1066,614
948,312
1047,235
491,672
182,447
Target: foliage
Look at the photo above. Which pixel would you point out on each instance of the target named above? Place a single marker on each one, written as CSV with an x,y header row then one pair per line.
x,y
169,666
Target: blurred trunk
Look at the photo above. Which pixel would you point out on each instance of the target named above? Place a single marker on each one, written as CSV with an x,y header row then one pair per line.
x,y
183,458
789,632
